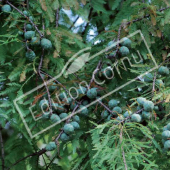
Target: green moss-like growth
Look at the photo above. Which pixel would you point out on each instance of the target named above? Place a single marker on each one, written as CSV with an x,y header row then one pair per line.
x,y
148,78
76,118
117,110
29,35
113,103
68,129
127,114
63,115
92,93
163,71
75,125
30,55
6,8
166,134
51,146
167,144
28,27
146,115
104,114
140,101
64,137
148,106
26,13
136,118
124,51
54,118
46,44
126,42
84,110
35,41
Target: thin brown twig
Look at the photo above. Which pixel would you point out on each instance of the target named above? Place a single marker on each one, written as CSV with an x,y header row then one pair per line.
x,y
118,38
104,106
41,35
57,17
95,71
2,150
28,156
39,72
44,160
50,162
154,80
55,80
74,22
57,138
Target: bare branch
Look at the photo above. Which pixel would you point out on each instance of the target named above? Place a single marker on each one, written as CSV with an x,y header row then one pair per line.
x,y
55,80
118,38
39,72
51,162
154,80
28,156
74,22
105,106
57,17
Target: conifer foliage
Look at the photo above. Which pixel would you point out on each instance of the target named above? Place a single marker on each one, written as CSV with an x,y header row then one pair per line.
x,y
128,129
